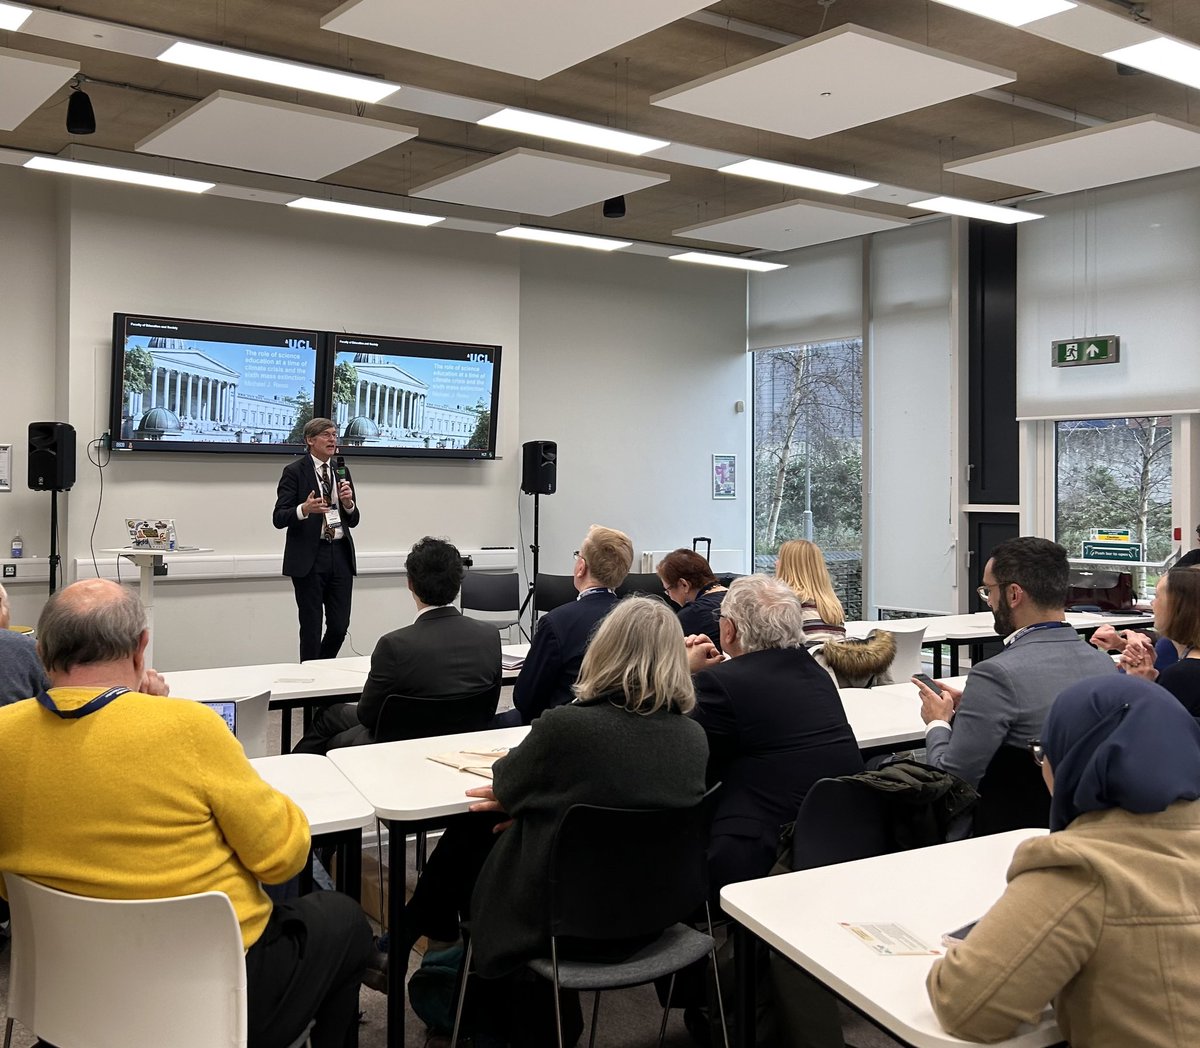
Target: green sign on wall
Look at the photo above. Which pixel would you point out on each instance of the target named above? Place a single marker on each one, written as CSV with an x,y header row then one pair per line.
x,y
1075,352
1128,551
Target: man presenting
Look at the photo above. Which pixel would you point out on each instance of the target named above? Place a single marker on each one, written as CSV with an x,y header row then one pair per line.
x,y
1006,697
315,502
443,654
115,794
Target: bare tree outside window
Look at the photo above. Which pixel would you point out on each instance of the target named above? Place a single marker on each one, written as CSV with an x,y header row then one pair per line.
x,y
1116,473
808,454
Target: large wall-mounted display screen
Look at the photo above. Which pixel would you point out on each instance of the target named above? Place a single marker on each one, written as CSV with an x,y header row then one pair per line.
x,y
394,396
197,385
193,385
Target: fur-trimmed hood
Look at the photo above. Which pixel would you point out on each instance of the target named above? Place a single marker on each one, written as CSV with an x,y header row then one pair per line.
x,y
853,660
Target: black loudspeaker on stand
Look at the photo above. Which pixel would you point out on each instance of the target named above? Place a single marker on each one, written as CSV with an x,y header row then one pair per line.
x,y
539,476
52,469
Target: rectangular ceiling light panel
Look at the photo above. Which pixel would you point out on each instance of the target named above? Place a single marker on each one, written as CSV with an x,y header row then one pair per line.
x,y
117,174
576,131
1012,12
26,82
533,183
528,38
276,71
795,223
844,78
1098,156
379,214
260,134
557,236
974,209
12,16
753,265
794,175
1165,57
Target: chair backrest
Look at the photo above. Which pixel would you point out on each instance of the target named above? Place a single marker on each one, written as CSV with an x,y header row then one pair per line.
x,y
616,873
419,717
251,720
1012,794
840,821
488,591
552,591
908,650
648,584
140,973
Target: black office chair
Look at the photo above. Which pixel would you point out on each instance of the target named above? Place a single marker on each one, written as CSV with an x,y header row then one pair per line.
x,y
1012,794
649,585
623,874
840,820
421,717
497,594
552,591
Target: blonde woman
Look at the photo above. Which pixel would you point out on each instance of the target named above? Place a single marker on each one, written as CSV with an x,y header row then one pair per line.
x,y
802,566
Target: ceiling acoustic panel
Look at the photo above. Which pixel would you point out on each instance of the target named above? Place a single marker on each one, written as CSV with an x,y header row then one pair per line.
x,y
792,224
26,82
1099,156
260,134
845,78
534,183
529,38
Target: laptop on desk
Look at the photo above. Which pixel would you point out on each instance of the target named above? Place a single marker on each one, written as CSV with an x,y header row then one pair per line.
x,y
154,534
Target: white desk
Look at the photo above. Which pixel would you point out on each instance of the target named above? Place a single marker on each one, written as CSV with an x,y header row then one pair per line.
x,y
410,793
362,663
797,914
887,717
147,561
335,810
291,684
978,628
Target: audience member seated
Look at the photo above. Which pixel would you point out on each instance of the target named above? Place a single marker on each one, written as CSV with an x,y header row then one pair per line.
x,y
622,742
1006,697
1177,618
112,793
443,654
1116,642
689,581
774,721
802,566
556,654
1192,558
21,673
1100,916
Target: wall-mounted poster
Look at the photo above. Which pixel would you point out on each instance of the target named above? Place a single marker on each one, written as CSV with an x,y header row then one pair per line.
x,y
724,476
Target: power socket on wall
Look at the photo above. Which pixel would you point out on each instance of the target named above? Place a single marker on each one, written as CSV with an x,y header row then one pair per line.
x,y
10,571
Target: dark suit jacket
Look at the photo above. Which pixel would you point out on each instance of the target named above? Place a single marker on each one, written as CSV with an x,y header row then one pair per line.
x,y
775,724
304,536
552,665
442,654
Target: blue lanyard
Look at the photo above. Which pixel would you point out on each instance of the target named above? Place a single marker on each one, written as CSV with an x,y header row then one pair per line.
x,y
99,702
593,589
1037,626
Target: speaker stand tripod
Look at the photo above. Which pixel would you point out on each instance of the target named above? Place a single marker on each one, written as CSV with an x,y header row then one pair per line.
x,y
530,600
54,557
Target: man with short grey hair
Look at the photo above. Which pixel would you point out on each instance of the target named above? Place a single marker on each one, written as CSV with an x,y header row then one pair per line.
x,y
21,673
113,793
774,720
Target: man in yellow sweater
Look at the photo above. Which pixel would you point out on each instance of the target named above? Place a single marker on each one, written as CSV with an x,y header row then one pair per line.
x,y
112,793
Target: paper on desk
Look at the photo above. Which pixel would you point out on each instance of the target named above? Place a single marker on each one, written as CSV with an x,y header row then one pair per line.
x,y
889,940
475,762
512,662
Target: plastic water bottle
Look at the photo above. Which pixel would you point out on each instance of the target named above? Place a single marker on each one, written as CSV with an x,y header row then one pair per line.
x,y
18,547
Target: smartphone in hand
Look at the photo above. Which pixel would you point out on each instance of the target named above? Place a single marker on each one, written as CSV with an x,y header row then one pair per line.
x,y
928,681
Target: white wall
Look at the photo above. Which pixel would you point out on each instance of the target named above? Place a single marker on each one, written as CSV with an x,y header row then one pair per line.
x,y
633,366
1122,260
912,562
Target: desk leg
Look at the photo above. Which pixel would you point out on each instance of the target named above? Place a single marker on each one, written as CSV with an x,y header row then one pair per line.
x,y
937,660
350,864
745,949
397,964
285,729
953,659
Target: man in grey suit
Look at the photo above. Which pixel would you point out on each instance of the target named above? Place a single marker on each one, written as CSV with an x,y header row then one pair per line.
x,y
442,654
1006,697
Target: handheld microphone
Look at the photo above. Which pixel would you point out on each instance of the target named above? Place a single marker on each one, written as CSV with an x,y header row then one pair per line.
x,y
339,467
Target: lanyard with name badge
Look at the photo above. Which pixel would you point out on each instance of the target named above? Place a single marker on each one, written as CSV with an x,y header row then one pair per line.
x,y
91,706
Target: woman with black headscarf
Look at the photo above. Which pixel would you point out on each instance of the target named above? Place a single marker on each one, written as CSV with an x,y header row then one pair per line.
x,y
1101,917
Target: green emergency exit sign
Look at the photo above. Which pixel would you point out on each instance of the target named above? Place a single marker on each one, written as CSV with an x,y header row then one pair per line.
x,y
1075,352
